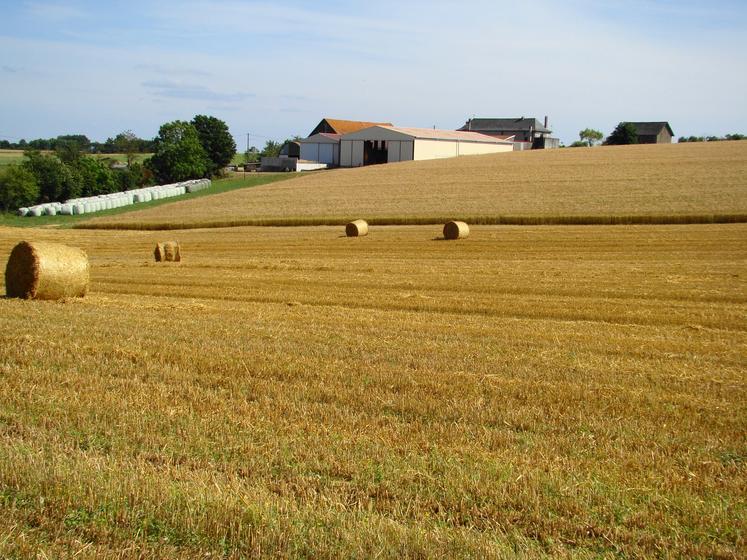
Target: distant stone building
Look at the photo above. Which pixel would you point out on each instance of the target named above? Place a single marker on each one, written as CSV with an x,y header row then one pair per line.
x,y
653,132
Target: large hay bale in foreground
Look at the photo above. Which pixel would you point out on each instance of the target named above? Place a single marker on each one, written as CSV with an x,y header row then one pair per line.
x,y
42,270
356,228
168,251
456,230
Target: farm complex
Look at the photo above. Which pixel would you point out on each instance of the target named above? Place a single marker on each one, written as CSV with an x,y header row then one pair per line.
x,y
538,390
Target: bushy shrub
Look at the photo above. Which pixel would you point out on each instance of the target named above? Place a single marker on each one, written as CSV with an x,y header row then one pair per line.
x,y
94,175
18,187
56,180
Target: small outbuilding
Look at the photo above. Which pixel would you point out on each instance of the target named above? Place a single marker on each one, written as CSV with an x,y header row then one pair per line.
x,y
653,132
390,144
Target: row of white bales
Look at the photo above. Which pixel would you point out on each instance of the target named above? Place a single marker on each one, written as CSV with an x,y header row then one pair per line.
x,y
90,204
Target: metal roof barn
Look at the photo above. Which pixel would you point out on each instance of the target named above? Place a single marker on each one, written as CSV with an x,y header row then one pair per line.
x,y
390,144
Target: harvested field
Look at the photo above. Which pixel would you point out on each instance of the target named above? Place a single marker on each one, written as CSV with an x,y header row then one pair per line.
x,y
291,392
652,182
16,156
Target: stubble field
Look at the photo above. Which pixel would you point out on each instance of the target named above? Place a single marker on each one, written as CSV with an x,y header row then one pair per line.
x,y
288,392
582,185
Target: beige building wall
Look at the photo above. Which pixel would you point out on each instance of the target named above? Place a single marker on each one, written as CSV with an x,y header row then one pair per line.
x,y
475,148
436,149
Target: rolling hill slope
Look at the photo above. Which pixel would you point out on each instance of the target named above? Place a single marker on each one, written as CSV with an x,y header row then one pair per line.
x,y
662,180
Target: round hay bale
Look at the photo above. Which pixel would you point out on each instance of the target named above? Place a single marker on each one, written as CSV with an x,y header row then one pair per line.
x,y
42,270
456,230
168,251
356,228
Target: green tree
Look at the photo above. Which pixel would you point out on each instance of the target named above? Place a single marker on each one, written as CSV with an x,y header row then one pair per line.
x,y
271,149
624,133
18,187
178,154
131,178
590,136
127,143
217,142
70,147
56,180
251,155
95,176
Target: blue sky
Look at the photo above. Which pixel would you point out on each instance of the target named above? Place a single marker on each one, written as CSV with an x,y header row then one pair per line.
x,y
274,69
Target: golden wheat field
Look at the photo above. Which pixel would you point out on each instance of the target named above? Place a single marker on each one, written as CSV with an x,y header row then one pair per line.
x,y
565,392
647,180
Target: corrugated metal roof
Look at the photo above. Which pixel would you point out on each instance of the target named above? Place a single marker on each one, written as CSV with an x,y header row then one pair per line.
x,y
435,134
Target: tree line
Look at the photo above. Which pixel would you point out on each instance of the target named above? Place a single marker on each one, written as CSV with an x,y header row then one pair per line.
x,y
625,133
182,150
110,146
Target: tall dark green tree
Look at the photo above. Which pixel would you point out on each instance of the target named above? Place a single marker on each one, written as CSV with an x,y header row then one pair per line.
x,y
624,133
56,180
94,175
217,142
178,154
18,187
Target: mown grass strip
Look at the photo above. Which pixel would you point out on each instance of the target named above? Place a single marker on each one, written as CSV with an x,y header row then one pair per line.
x,y
219,186
538,220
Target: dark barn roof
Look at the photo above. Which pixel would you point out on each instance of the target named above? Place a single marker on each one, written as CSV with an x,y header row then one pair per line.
x,y
478,125
651,128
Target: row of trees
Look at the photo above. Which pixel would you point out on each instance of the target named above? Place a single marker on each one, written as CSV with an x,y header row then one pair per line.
x,y
625,133
49,177
182,150
119,144
711,138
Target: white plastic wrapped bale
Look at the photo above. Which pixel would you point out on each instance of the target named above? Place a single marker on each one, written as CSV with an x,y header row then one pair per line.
x,y
50,210
79,209
23,211
89,207
66,209
35,211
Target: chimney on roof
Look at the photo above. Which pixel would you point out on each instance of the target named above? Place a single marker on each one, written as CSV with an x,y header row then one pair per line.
x,y
545,121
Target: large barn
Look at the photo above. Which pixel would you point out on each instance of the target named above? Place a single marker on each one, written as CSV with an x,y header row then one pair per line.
x,y
389,144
